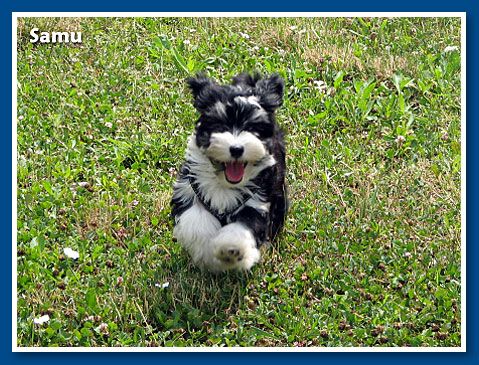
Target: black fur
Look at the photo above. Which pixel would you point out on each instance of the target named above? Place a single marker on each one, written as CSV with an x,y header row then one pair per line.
x,y
179,206
221,112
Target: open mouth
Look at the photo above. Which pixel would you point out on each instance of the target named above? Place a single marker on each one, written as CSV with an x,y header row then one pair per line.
x,y
234,171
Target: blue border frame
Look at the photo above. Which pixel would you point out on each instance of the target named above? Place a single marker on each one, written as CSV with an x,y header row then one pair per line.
x,y
472,23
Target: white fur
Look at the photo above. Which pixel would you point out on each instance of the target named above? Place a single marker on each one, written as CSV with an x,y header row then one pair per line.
x,y
258,203
235,247
216,190
195,229
220,108
253,100
212,246
220,143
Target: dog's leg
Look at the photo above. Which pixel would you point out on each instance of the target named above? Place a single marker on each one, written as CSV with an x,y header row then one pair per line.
x,y
194,229
237,244
235,247
279,208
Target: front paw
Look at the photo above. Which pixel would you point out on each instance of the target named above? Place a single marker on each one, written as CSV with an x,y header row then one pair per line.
x,y
235,247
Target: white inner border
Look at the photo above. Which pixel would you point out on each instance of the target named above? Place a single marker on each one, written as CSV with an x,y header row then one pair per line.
x,y
462,348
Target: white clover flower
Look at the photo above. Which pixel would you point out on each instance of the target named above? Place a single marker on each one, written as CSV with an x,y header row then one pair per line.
x,y
103,328
164,285
400,140
81,184
42,319
108,125
451,49
320,85
71,253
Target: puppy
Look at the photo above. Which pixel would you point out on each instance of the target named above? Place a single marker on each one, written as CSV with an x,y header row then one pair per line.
x,y
230,196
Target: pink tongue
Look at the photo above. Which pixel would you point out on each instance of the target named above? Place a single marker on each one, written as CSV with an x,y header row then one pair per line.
x,y
234,171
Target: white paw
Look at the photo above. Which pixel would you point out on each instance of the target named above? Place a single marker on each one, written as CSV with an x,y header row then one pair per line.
x,y
235,248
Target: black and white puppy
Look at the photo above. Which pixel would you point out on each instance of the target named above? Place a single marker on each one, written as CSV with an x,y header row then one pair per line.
x,y
230,196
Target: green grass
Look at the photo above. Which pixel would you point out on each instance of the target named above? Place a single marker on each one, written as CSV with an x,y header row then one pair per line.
x,y
371,251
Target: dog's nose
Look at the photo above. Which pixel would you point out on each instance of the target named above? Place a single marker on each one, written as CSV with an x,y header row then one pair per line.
x,y
236,151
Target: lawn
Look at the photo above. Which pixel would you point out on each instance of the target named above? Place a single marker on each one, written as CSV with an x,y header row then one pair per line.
x,y
371,250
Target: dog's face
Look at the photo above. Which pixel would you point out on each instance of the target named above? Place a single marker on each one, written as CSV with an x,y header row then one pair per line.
x,y
236,123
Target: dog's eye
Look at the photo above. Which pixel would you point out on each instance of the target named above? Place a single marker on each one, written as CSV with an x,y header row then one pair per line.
x,y
261,129
202,138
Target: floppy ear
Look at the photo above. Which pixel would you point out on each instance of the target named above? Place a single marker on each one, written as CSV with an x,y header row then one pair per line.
x,y
203,90
271,90
197,84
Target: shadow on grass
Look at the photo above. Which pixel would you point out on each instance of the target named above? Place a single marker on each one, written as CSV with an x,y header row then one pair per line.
x,y
179,295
